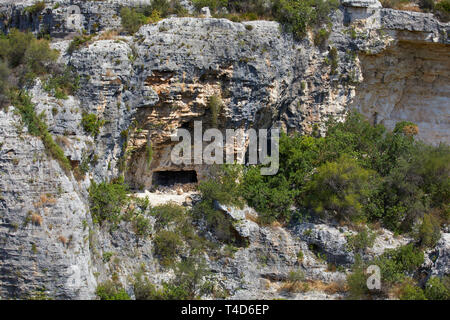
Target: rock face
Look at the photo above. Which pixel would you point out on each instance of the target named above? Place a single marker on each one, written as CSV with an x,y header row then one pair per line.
x,y
391,65
441,257
42,234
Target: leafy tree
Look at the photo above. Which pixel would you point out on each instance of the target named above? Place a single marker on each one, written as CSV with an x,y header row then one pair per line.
x,y
132,20
340,189
271,196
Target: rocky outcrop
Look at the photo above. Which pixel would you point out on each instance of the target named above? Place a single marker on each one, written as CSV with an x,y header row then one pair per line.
x,y
43,218
391,65
440,257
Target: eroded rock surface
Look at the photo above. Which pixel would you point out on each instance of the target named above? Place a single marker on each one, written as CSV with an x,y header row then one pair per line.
x,y
392,66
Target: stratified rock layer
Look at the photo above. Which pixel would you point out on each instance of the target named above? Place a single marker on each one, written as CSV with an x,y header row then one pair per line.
x,y
391,65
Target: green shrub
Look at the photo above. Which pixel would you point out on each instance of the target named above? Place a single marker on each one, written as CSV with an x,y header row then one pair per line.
x,y
361,241
37,127
141,226
23,49
357,281
429,232
296,276
442,10
223,188
4,82
395,264
340,189
189,279
91,124
110,290
78,42
167,245
144,290
437,289
212,4
167,215
63,83
407,128
36,8
389,177
321,37
271,196
411,291
215,105
106,200
132,20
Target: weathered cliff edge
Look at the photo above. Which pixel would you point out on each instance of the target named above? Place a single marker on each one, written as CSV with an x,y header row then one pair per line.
x,y
392,66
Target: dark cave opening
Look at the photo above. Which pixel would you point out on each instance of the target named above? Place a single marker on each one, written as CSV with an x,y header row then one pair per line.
x,y
170,178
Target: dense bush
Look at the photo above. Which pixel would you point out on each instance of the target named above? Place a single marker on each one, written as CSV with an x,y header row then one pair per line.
x,y
91,123
167,215
27,56
4,82
442,10
110,290
437,288
357,172
357,281
63,83
429,231
167,245
396,266
106,200
134,18
410,291
36,8
361,241
296,16
189,283
78,42
340,189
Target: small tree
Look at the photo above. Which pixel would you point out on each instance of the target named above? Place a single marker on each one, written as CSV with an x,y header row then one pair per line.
x,y
340,189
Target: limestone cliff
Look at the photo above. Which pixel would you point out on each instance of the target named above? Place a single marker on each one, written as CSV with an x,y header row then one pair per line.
x,y
392,66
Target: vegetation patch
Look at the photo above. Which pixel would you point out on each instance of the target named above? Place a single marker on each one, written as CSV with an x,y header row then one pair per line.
x,y
107,199
111,290
91,123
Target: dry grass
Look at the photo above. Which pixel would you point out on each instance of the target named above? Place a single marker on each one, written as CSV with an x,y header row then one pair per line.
x,y
314,285
63,141
63,240
36,219
108,35
251,217
44,200
409,7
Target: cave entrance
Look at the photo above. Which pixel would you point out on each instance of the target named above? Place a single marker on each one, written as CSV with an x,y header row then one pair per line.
x,y
170,178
